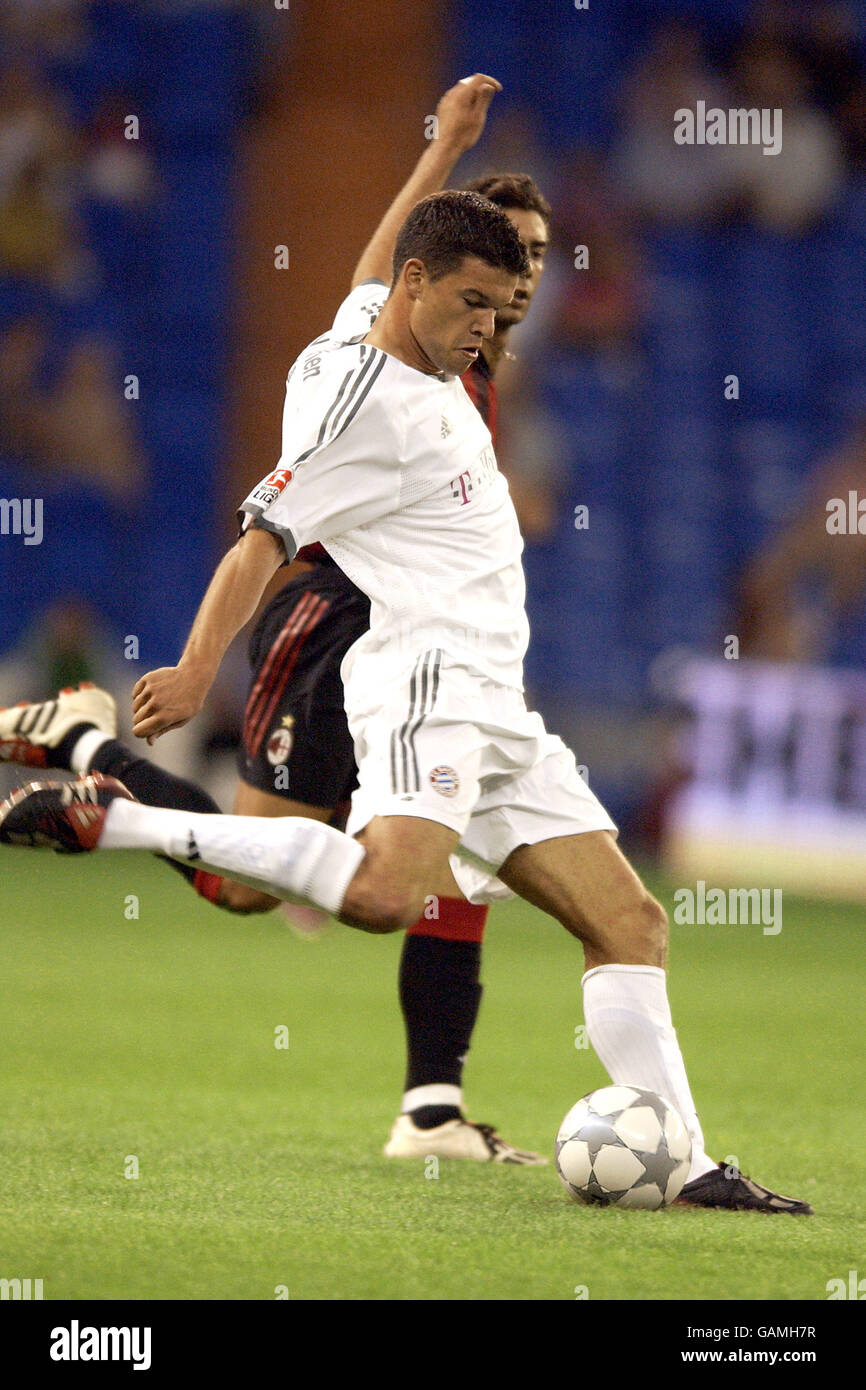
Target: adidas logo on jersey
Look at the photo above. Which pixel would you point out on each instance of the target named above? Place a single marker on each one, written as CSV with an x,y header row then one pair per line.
x,y
446,427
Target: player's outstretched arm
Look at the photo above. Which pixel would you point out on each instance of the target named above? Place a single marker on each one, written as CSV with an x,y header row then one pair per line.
x,y
168,698
460,115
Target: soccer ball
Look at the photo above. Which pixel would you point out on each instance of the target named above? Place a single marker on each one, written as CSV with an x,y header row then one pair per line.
x,y
625,1147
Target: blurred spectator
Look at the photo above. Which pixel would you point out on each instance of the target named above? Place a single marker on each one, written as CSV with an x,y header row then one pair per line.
x,y
39,233
823,35
788,191
22,347
828,44
599,302
853,129
78,424
66,644
87,422
805,581
530,449
663,181
55,29
828,47
117,169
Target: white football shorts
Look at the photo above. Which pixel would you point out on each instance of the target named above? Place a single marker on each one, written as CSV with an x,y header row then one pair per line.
x,y
447,744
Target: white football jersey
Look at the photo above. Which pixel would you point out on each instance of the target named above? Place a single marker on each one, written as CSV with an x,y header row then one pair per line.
x,y
393,471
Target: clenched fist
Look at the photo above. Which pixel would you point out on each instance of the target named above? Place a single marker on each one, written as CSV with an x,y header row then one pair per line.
x,y
167,699
462,111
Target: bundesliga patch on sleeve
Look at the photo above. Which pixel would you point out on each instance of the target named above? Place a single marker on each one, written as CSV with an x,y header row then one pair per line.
x,y
270,488
372,308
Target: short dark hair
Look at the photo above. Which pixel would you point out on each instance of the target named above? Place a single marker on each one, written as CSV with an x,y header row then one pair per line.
x,y
512,191
442,229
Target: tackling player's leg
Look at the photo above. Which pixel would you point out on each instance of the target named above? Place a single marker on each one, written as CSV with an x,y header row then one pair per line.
x,y
439,975
290,857
76,732
238,897
376,882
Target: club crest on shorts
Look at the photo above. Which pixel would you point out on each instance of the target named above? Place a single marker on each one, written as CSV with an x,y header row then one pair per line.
x,y
279,745
445,781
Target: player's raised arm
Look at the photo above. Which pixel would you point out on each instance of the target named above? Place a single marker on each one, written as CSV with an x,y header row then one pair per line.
x,y
168,698
460,116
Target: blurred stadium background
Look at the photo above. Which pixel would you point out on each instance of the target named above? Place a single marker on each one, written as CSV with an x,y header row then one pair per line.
x,y
153,157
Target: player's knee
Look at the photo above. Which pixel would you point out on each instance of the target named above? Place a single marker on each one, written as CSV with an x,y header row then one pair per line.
x,y
394,917
381,909
237,897
393,913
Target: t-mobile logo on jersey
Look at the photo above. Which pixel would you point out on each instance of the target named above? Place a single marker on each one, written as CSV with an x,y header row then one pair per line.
x,y
462,486
483,473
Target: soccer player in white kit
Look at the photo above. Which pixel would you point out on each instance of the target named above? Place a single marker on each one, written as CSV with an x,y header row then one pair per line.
x,y
387,464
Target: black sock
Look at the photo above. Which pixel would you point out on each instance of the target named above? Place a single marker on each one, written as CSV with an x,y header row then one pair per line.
x,y
153,786
60,756
440,995
429,1116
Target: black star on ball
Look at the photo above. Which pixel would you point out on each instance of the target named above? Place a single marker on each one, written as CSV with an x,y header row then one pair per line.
x,y
658,1165
597,1131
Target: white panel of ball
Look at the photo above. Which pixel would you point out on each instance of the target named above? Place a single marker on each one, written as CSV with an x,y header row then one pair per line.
x,y
617,1169
623,1146
574,1166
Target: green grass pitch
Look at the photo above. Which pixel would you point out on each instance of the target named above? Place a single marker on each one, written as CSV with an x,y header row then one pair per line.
x,y
259,1167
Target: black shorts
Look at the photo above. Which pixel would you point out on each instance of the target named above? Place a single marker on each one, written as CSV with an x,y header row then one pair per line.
x,y
295,741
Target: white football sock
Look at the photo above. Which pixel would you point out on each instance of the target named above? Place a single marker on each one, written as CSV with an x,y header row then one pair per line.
x,y
628,1019
85,747
288,856
438,1093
